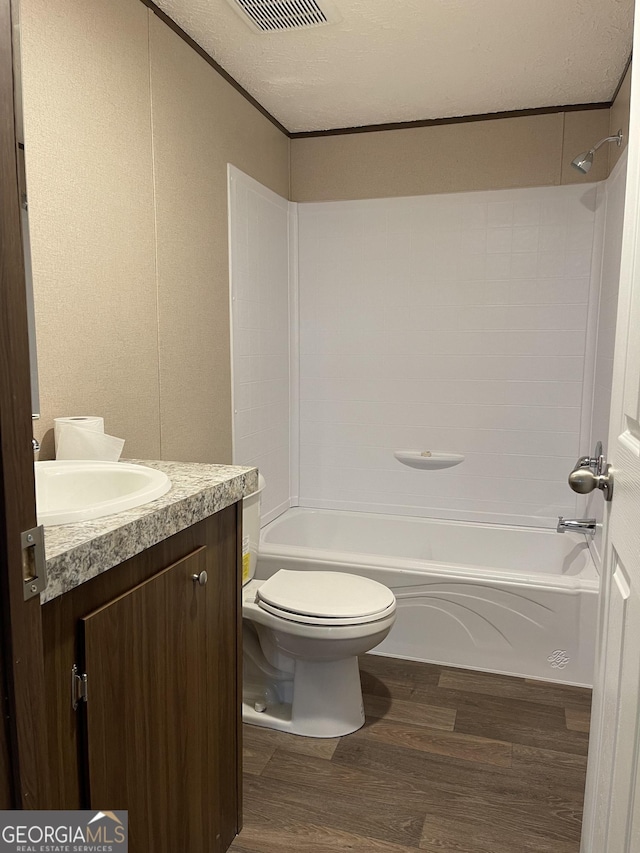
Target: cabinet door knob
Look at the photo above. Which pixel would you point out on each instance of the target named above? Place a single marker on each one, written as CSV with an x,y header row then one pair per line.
x,y
201,578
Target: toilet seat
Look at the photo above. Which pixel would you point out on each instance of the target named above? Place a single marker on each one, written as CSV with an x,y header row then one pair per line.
x,y
325,598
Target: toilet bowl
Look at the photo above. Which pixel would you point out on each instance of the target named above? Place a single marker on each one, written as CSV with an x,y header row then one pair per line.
x,y
302,634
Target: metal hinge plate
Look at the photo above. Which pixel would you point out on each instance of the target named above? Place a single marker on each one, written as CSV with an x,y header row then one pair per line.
x,y
34,565
79,691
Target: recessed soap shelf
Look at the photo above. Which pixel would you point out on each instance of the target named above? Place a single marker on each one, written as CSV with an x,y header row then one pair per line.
x,y
427,459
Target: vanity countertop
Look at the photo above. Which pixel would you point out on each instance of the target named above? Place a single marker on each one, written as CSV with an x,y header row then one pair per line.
x,y
75,553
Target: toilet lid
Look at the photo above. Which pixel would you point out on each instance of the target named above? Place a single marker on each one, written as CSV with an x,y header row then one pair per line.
x,y
307,596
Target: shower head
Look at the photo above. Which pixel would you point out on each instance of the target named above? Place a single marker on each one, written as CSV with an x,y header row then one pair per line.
x,y
583,162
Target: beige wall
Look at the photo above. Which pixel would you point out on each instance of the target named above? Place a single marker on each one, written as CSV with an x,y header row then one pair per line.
x,y
480,155
619,118
200,123
128,135
90,181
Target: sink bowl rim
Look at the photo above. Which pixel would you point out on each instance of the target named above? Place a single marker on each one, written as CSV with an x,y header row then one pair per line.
x,y
157,484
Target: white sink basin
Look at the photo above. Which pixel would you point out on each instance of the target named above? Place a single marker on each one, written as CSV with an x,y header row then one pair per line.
x,y
69,491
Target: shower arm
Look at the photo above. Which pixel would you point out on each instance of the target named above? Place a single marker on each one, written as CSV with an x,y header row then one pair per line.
x,y
617,139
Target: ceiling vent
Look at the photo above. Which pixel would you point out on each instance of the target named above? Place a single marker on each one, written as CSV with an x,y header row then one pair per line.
x,y
268,16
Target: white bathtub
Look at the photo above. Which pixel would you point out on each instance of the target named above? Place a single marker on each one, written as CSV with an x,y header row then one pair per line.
x,y
512,600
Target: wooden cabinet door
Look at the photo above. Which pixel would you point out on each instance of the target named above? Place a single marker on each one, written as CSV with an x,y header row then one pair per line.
x,y
157,742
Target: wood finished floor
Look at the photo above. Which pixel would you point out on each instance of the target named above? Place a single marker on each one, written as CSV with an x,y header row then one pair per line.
x,y
448,760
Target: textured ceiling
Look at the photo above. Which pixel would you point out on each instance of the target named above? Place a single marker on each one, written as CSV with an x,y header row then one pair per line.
x,y
406,60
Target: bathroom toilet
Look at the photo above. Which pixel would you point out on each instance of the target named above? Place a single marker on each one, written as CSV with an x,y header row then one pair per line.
x,y
302,634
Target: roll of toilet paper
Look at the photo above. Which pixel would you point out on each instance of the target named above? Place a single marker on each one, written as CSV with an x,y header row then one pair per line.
x,y
78,443
94,424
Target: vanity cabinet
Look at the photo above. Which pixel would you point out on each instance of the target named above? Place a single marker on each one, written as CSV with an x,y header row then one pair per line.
x,y
160,731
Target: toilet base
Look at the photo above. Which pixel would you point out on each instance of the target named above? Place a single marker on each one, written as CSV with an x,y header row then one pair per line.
x,y
327,701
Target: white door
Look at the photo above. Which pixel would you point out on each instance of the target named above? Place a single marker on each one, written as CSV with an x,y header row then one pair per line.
x,y
612,804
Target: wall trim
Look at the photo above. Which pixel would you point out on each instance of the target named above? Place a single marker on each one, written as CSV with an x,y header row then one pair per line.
x,y
215,65
435,122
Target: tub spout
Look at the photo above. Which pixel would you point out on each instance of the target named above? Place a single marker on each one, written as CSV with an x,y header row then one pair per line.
x,y
577,525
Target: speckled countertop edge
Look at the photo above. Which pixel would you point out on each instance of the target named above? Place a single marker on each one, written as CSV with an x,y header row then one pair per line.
x,y
75,553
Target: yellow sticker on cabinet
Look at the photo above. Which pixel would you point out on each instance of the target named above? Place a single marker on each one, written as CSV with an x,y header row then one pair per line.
x,y
246,564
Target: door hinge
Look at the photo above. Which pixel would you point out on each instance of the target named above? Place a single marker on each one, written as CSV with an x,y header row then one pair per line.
x,y
34,564
78,687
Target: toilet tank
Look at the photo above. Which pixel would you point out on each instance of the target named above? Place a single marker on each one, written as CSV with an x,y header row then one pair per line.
x,y
251,531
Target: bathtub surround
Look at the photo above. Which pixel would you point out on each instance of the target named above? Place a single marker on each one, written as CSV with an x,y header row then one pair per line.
x,y
461,323
259,249
446,323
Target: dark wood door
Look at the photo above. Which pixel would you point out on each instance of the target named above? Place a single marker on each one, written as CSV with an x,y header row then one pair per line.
x,y
6,784
20,623
161,717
